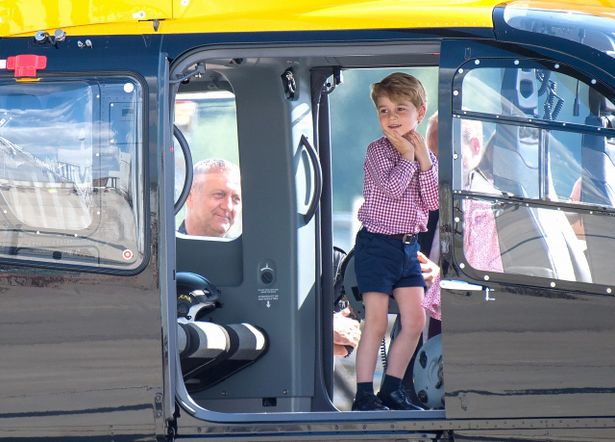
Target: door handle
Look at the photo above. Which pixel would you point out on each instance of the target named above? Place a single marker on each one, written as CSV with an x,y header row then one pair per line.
x,y
315,193
457,284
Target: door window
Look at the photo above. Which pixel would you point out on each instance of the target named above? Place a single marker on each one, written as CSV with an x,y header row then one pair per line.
x,y
535,157
207,119
71,173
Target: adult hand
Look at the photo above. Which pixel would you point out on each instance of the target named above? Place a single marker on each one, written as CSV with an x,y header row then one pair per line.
x,y
346,332
429,269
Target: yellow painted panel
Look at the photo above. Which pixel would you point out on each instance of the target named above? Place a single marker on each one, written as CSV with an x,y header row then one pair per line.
x,y
112,17
94,17
28,16
339,14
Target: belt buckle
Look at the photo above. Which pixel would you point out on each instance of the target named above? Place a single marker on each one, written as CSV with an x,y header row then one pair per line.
x,y
408,238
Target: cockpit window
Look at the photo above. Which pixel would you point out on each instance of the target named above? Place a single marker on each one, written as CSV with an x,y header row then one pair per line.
x,y
593,28
70,187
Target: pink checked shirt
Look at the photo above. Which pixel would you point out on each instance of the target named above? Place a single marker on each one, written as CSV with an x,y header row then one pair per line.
x,y
398,195
480,236
480,241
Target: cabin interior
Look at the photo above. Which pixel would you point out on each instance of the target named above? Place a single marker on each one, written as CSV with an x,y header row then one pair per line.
x,y
297,121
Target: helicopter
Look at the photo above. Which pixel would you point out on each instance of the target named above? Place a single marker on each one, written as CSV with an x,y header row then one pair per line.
x,y
117,325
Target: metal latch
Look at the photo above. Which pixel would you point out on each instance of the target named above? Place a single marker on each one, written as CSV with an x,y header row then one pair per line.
x,y
457,284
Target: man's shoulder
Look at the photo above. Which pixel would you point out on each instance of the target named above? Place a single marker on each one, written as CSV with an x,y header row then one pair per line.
x,y
479,183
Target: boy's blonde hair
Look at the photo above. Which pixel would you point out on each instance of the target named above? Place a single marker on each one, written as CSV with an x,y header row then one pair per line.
x,y
398,86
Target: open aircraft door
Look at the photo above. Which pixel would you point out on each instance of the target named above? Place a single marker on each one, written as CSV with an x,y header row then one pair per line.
x,y
527,229
82,125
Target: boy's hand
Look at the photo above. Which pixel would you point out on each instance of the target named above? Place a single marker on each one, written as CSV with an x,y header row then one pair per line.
x,y
402,143
421,151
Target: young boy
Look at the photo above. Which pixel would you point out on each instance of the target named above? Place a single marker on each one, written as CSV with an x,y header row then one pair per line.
x,y
400,188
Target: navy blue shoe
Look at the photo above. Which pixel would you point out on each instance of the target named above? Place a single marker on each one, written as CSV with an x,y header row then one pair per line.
x,y
367,402
398,400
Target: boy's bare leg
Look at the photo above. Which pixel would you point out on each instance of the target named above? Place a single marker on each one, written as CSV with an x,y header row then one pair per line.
x,y
375,325
412,318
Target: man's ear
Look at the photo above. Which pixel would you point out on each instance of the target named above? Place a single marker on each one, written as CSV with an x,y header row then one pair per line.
x,y
475,144
189,199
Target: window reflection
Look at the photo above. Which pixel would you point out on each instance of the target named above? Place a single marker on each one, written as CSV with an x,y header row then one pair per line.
x,y
594,29
537,241
47,155
527,162
546,137
68,171
527,92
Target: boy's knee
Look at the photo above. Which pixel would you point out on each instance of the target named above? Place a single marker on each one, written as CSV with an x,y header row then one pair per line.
x,y
416,324
376,329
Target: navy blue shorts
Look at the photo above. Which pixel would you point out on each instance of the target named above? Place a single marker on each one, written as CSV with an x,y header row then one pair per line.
x,y
383,263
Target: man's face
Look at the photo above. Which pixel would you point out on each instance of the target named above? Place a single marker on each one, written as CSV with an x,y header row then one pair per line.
x,y
471,144
213,203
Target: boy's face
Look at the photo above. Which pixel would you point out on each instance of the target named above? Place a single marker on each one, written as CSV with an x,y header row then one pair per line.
x,y
400,115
